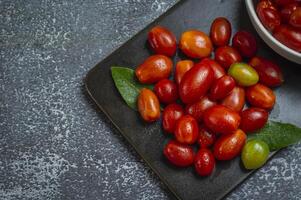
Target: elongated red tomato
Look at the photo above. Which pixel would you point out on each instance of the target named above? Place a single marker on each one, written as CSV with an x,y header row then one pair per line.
x,y
154,69
162,41
221,119
235,100
198,108
229,146
268,15
253,119
226,56
221,87
204,162
261,96
187,130
218,70
182,67
195,83
245,43
171,114
295,18
167,91
289,36
220,31
179,154
206,138
148,105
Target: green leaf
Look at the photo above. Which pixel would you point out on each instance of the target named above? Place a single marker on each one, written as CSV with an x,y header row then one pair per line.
x,y
127,85
278,135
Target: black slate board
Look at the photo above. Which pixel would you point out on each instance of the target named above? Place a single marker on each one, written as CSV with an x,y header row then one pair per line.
x,y
148,139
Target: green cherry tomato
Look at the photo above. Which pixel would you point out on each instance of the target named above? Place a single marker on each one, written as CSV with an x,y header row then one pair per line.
x,y
243,74
254,154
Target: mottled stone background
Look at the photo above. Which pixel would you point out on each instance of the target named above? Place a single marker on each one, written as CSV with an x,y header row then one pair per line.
x,y
54,142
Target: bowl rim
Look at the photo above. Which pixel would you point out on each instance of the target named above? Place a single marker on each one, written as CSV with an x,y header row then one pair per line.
x,y
251,9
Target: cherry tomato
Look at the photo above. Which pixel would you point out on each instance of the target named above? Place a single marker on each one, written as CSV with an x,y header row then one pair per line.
x,y
170,116
245,43
187,130
243,74
195,83
206,138
220,31
204,162
181,68
235,100
288,36
166,91
269,73
220,119
253,119
162,41
226,56
179,154
197,109
195,44
148,105
218,70
268,15
286,11
261,96
154,69
295,18
285,2
229,146
221,88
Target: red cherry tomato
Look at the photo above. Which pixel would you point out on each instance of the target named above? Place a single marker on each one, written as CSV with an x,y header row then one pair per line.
x,y
148,105
285,2
229,146
218,70
195,83
289,36
181,68
204,162
206,138
287,10
154,69
261,96
179,154
220,119
220,31
235,100
197,109
221,87
226,56
295,18
253,119
170,116
162,41
268,15
167,91
269,73
245,43
187,130
196,44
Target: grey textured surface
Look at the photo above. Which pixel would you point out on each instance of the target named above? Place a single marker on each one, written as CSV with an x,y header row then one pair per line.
x,y
54,142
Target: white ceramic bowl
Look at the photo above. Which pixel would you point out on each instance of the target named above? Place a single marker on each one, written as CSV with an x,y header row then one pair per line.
x,y
280,48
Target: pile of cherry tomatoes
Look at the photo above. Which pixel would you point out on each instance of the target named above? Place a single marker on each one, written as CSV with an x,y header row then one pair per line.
x,y
205,100
283,19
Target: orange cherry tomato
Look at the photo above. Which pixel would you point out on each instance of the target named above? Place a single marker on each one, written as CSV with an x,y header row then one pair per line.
x,y
181,68
261,96
148,105
235,100
220,31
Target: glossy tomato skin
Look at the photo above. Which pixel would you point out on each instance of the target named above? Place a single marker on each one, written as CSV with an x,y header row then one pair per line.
x,y
195,83
179,154
269,72
295,18
220,119
166,91
221,88
288,36
148,105
206,138
235,100
218,70
268,15
195,44
198,108
261,96
220,31
171,114
226,56
253,119
154,69
204,162
245,43
229,146
286,11
182,67
162,41
187,130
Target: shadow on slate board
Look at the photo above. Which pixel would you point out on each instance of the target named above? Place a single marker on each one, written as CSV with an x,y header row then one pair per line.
x,y
148,139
